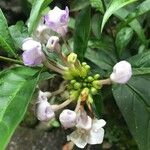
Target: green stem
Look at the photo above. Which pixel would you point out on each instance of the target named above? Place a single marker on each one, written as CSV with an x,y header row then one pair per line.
x,y
11,60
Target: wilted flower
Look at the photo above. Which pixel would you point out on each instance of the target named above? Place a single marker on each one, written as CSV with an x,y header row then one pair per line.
x,y
93,136
44,110
57,20
32,54
83,120
122,72
68,118
53,43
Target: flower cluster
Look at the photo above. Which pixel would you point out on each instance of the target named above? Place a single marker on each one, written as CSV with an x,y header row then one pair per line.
x,y
79,82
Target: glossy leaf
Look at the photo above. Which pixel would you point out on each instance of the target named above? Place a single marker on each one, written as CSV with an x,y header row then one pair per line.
x,y
140,10
79,4
101,53
123,37
114,6
135,24
133,101
37,8
17,86
6,42
18,32
82,31
98,5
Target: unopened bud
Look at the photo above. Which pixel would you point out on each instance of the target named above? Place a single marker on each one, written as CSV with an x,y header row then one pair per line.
x,y
96,84
122,72
77,85
93,91
72,58
90,78
53,43
68,118
96,76
73,81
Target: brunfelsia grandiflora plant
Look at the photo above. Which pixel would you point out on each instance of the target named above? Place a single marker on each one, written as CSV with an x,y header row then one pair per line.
x,y
54,43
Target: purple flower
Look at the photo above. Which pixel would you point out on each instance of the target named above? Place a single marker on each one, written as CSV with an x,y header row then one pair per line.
x,y
57,20
32,54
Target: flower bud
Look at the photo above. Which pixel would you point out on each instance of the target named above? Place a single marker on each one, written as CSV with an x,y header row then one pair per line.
x,y
44,111
96,76
122,72
93,91
32,54
53,43
90,79
96,84
57,20
77,86
72,58
68,118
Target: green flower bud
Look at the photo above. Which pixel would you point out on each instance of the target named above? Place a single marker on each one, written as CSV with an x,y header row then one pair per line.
x,y
84,63
74,94
72,58
96,76
77,85
67,75
83,72
84,84
87,68
90,99
90,79
93,91
96,84
73,81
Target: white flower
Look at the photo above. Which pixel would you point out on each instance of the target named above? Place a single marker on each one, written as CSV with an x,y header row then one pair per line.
x,y
122,72
83,120
68,118
93,136
44,110
53,43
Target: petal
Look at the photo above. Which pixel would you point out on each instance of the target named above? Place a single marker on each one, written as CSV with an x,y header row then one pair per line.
x,y
97,124
96,136
78,138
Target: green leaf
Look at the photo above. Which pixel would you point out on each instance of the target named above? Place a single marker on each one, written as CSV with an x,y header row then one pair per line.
x,y
98,5
133,101
82,31
140,10
96,25
77,5
18,32
140,60
97,105
114,6
6,42
135,25
37,8
17,86
46,76
101,53
123,37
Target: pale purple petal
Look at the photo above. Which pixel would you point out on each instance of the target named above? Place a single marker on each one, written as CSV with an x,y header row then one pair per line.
x,y
96,136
